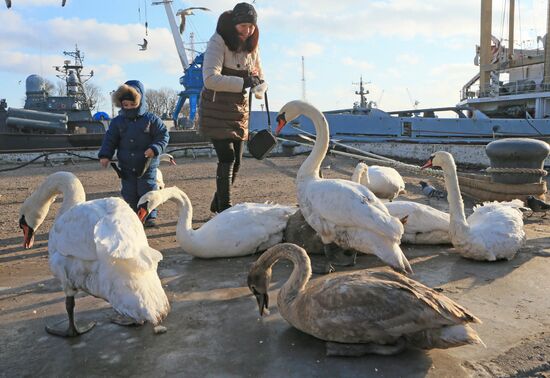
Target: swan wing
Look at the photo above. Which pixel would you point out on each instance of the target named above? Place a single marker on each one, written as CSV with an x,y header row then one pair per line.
x,y
499,229
240,230
348,204
103,229
119,235
386,181
72,233
383,303
421,218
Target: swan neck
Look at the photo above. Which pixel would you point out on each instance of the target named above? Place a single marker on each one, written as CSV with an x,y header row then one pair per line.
x,y
358,173
300,275
73,194
183,202
69,186
310,167
456,204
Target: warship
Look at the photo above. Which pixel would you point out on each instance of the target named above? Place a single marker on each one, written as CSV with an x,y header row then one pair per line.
x,y
54,123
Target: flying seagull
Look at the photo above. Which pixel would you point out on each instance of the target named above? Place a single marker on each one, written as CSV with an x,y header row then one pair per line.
x,y
143,46
187,12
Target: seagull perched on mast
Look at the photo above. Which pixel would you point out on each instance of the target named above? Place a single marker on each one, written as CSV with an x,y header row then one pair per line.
x,y
187,12
143,46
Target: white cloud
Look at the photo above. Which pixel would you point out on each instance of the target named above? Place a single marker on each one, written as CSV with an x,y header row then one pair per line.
x,y
355,20
393,73
407,58
22,63
306,49
358,64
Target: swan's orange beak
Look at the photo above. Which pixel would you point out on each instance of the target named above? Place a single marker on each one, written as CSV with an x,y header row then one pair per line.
x,y
281,122
172,161
142,212
428,164
28,233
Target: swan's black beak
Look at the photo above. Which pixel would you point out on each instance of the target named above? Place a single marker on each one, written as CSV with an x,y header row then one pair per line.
x,y
142,211
281,122
428,164
263,301
28,233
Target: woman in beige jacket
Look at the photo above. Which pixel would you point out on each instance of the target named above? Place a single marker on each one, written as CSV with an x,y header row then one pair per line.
x,y
231,65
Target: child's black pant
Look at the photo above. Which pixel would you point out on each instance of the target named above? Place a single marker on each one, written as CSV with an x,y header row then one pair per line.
x,y
134,187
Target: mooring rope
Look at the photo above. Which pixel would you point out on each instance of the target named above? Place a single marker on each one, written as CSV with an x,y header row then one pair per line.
x,y
385,161
533,171
46,155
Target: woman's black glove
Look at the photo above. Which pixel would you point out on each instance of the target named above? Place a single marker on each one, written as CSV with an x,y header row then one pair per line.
x,y
251,82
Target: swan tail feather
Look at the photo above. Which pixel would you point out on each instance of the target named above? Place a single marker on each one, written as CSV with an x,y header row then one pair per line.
x,y
139,296
446,337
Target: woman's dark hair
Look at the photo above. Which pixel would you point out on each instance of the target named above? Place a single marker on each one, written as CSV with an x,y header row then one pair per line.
x,y
226,28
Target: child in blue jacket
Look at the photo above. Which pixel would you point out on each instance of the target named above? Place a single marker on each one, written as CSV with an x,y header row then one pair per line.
x,y
139,137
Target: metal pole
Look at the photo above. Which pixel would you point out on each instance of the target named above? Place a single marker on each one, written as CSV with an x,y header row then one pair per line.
x,y
303,80
176,34
511,30
485,46
546,79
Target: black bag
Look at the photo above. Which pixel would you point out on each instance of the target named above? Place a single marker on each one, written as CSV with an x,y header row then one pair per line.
x,y
261,143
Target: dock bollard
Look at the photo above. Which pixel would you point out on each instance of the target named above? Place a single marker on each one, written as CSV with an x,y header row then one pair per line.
x,y
517,160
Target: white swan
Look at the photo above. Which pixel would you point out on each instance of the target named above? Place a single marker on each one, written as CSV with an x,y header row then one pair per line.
x,y
240,230
363,311
98,247
160,178
341,211
424,225
384,182
493,232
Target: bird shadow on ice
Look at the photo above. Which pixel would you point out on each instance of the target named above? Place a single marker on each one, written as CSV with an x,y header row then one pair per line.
x,y
447,266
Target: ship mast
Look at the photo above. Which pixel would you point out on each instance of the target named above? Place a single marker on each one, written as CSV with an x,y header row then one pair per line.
x,y
485,45
546,78
71,74
362,93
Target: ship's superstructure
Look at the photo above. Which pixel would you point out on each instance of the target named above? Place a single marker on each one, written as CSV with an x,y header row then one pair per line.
x,y
47,114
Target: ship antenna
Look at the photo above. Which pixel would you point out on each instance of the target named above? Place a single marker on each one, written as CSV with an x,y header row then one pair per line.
x,y
362,93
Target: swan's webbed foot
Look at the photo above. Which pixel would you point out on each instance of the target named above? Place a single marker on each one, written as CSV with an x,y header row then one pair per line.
x,y
123,320
73,330
356,350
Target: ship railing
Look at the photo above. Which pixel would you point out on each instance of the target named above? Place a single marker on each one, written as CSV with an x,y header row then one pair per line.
x,y
460,111
503,89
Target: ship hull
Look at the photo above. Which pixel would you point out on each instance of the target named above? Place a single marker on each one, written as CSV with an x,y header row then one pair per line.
x,y
15,143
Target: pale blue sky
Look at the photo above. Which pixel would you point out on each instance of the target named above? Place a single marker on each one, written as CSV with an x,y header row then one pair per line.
x,y
407,49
